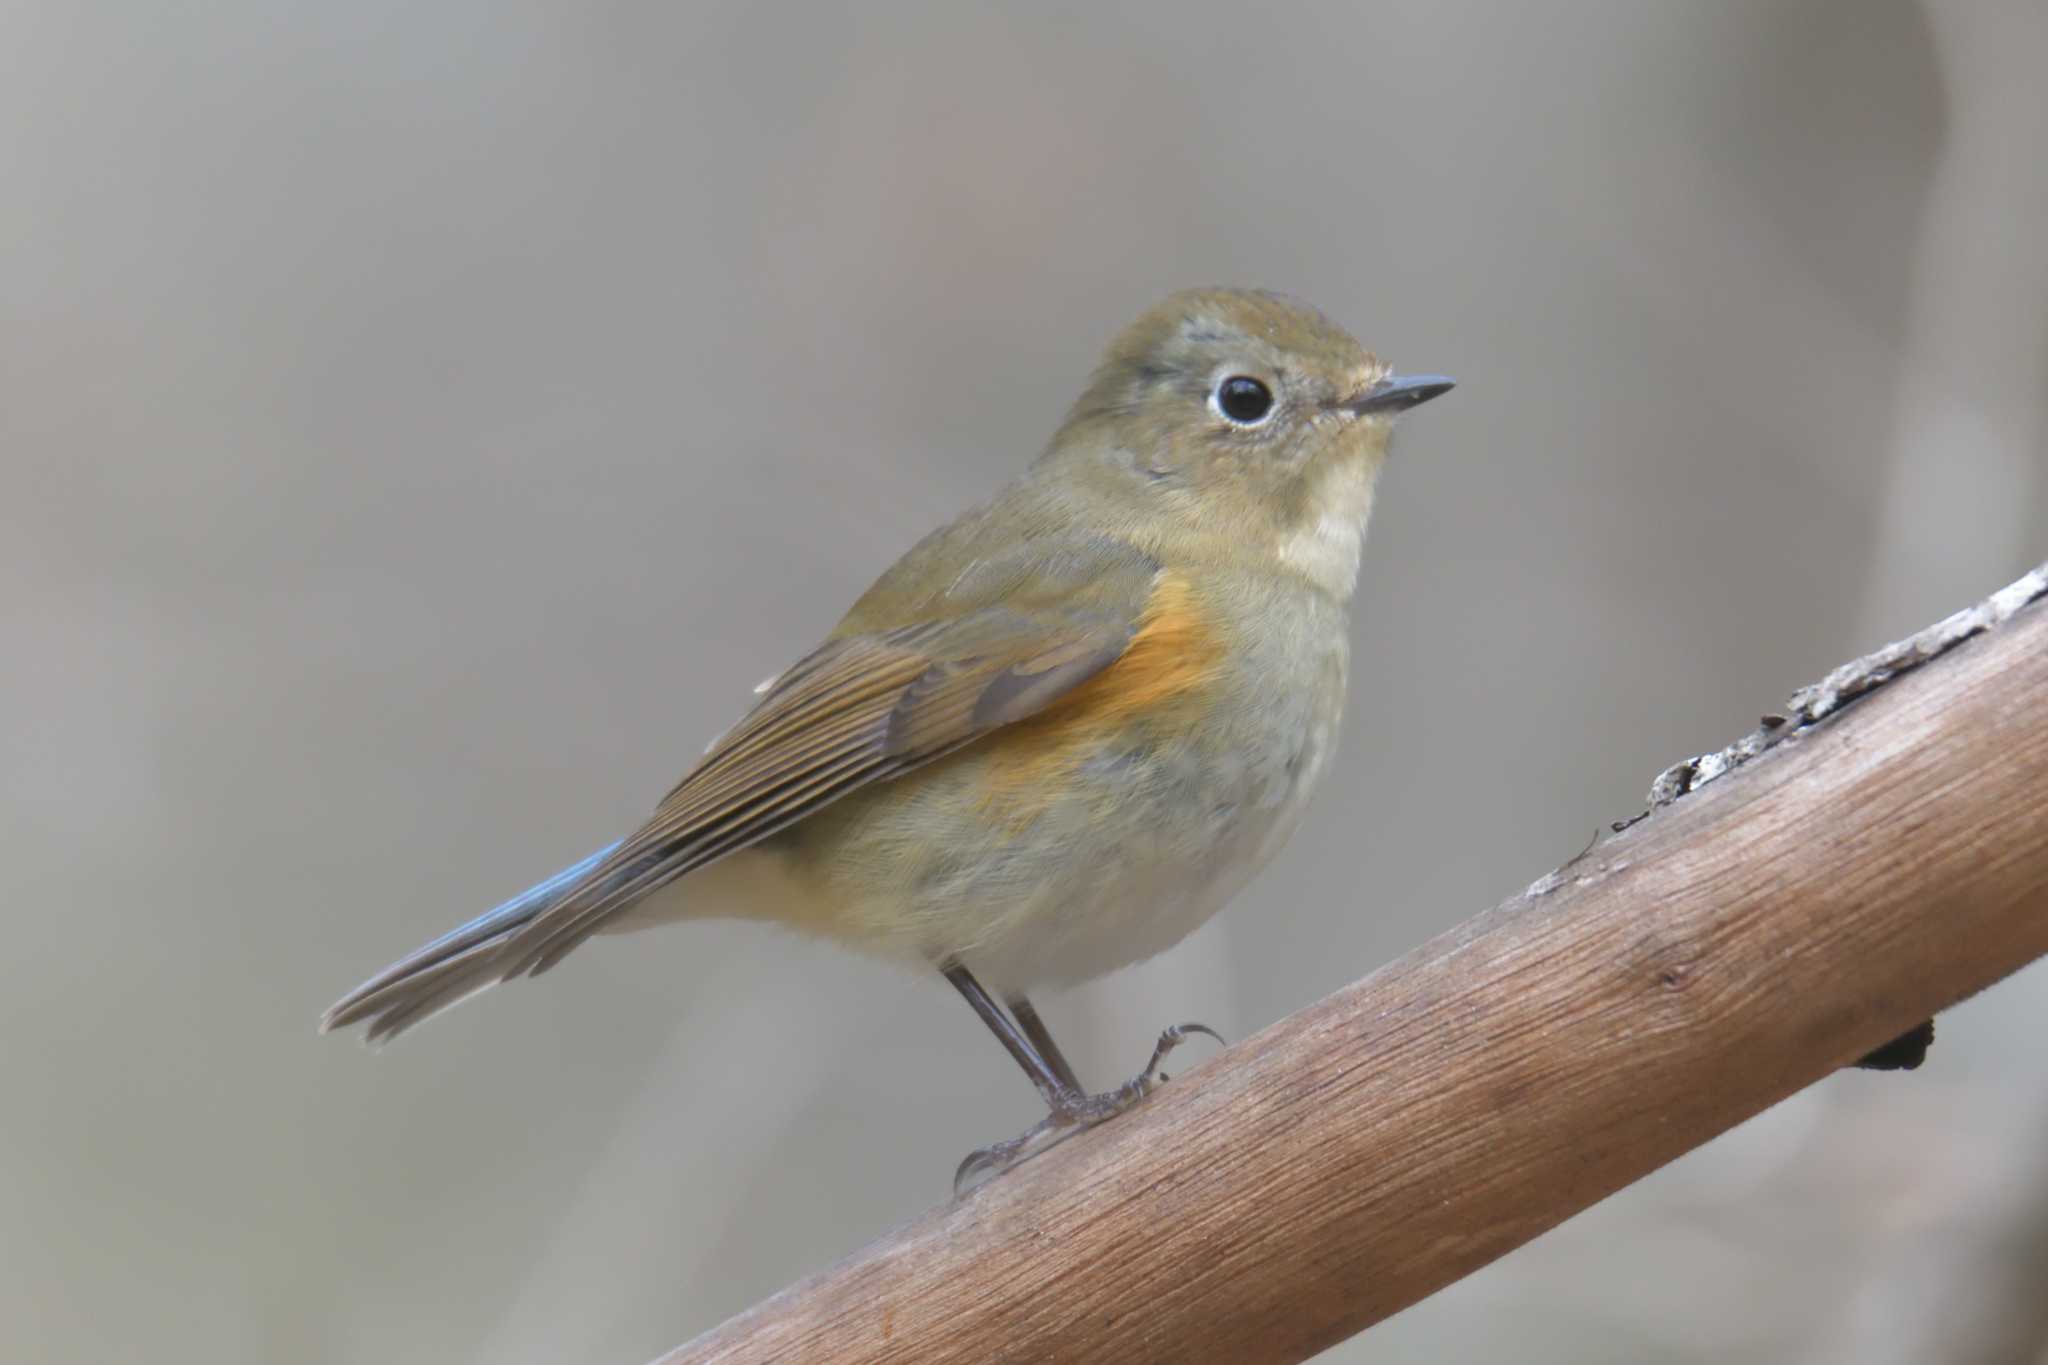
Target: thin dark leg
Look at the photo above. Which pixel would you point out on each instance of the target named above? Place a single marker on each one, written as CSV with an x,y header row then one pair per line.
x,y
1041,1038
1031,1045
1051,1083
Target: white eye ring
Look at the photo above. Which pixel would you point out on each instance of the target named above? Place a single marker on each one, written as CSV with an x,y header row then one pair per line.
x,y
1242,400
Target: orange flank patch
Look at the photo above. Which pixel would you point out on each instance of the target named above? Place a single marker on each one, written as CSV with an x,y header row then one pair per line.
x,y
1175,652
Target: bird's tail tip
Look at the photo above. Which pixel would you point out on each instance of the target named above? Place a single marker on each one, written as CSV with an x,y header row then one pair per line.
x,y
454,967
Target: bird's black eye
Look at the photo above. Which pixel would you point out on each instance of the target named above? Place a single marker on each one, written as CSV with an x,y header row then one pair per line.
x,y
1244,399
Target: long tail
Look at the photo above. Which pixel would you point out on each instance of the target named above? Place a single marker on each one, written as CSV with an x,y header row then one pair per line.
x,y
454,966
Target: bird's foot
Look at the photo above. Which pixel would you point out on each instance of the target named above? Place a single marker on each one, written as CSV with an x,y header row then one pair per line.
x,y
1075,1112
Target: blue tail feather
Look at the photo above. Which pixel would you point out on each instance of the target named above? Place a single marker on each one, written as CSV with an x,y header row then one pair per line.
x,y
516,911
453,966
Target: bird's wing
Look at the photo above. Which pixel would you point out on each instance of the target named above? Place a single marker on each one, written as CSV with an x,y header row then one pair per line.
x,y
865,707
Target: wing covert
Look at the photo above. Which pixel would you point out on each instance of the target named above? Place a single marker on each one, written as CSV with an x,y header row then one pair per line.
x,y
862,708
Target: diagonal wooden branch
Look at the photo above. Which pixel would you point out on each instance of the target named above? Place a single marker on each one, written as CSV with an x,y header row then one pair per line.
x,y
1788,904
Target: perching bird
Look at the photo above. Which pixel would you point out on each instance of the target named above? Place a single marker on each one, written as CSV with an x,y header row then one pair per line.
x,y
1059,733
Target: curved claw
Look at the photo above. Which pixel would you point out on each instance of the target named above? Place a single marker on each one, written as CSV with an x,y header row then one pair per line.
x,y
998,1157
985,1159
1169,1039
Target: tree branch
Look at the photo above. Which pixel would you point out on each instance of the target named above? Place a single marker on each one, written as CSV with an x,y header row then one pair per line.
x,y
1789,904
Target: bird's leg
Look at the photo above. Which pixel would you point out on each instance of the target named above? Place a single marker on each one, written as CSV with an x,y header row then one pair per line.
x,y
1133,1089
1041,1038
1053,1087
1071,1109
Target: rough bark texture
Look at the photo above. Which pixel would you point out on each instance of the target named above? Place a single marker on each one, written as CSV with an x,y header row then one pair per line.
x,y
1872,857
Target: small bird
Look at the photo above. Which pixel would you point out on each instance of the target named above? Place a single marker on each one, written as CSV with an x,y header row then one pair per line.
x,y
1058,734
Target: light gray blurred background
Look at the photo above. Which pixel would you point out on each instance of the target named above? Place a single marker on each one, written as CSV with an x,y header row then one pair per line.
x,y
421,424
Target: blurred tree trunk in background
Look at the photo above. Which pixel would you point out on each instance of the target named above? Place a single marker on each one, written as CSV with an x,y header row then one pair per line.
x,y
1958,1246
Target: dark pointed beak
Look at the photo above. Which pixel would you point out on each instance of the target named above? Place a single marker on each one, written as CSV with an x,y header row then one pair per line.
x,y
1398,393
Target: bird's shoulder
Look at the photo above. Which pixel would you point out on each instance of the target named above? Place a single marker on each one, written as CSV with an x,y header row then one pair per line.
x,y
1022,552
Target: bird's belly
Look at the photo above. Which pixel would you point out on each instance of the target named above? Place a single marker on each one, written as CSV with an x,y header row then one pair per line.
x,y
1121,901
1119,854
